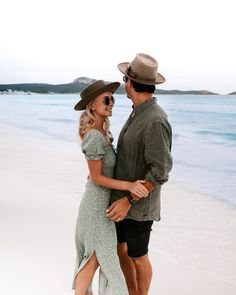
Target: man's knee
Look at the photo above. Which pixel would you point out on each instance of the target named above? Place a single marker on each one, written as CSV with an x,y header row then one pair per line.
x,y
141,261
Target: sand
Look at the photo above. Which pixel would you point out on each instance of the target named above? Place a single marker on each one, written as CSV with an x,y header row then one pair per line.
x,y
193,247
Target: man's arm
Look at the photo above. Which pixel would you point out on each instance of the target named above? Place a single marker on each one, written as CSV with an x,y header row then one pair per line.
x,y
157,153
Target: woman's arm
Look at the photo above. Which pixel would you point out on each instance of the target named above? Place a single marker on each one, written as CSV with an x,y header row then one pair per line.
x,y
95,169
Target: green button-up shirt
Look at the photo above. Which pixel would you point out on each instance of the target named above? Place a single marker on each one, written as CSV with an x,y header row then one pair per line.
x,y
143,152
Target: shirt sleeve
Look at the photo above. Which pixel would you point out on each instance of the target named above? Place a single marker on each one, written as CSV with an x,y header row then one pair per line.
x,y
93,146
158,140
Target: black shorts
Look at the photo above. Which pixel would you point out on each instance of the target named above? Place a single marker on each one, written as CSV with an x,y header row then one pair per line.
x,y
136,234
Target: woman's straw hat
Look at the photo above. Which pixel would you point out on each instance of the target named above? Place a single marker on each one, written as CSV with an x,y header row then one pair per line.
x,y
93,91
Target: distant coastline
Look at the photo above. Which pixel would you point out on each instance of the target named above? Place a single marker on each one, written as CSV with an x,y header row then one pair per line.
x,y
77,85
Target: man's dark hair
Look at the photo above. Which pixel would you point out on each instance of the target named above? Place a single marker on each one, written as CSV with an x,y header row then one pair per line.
x,y
138,87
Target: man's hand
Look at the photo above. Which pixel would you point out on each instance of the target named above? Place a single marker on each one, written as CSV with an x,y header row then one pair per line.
x,y
118,210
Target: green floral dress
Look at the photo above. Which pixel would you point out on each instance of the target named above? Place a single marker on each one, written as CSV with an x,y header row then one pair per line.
x,y
94,231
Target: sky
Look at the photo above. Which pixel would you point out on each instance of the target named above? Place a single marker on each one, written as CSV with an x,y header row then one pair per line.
x,y
57,41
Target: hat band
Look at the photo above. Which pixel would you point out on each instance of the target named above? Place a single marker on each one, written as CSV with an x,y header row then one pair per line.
x,y
134,75
131,73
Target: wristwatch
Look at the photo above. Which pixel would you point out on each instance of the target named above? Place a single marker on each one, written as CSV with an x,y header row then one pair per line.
x,y
131,199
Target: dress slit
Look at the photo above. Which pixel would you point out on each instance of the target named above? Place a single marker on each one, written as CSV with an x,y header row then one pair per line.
x,y
81,266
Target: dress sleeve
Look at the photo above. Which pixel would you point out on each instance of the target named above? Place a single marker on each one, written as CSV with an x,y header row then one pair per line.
x,y
93,145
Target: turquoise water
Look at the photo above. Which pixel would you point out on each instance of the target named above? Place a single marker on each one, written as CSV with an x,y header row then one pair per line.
x,y
204,133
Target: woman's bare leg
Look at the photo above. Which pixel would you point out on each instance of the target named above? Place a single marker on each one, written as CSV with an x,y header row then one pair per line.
x,y
85,276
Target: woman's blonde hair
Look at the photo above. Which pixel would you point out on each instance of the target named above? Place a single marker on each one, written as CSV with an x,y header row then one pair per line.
x,y
87,122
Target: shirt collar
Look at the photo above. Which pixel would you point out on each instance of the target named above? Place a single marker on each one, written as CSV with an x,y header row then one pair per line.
x,y
141,107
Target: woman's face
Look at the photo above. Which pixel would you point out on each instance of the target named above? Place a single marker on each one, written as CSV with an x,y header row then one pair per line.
x,y
103,104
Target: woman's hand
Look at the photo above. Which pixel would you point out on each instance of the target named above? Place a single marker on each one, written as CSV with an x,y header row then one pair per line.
x,y
138,188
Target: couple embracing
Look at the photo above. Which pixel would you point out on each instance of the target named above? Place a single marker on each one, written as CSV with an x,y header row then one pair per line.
x,y
122,196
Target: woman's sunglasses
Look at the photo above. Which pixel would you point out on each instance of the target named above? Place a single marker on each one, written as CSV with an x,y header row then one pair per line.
x,y
107,100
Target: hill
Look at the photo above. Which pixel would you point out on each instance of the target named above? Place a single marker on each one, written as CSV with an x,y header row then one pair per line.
x,y
76,86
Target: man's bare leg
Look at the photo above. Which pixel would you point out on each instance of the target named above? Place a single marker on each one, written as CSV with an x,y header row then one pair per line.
x,y
143,274
128,268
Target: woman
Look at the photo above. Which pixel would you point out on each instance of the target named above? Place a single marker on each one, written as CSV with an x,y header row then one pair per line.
x,y
96,241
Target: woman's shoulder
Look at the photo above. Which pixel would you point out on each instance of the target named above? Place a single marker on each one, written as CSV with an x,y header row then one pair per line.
x,y
93,145
94,134
94,137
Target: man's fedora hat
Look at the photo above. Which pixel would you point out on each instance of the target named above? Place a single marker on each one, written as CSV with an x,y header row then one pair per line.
x,y
93,91
142,69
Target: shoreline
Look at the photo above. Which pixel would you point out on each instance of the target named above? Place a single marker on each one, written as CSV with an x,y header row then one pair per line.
x,y
192,248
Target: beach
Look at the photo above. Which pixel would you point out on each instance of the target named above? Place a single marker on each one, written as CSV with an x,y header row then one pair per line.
x,y
192,248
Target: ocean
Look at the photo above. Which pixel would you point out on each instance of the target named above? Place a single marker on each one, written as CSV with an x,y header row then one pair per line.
x,y
204,133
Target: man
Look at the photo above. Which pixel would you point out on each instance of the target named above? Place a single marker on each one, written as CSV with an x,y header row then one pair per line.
x,y
143,152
